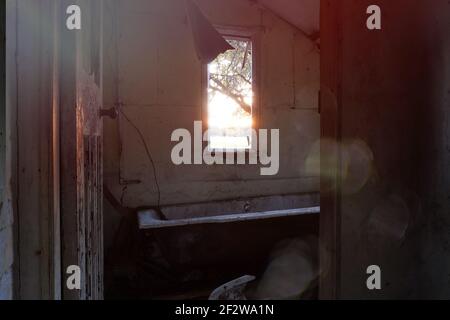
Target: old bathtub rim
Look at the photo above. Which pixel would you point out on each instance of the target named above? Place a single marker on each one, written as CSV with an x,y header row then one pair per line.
x,y
149,219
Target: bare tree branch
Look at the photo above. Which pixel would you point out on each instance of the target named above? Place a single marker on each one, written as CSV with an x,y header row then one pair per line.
x,y
233,73
239,99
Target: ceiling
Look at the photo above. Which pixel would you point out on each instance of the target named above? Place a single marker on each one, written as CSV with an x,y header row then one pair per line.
x,y
304,14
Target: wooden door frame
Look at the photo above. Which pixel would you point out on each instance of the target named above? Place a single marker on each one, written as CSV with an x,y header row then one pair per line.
x,y
330,114
36,212
68,156
56,273
71,49
42,89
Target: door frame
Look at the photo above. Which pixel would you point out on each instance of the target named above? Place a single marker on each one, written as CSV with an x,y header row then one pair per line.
x,y
71,162
330,119
32,107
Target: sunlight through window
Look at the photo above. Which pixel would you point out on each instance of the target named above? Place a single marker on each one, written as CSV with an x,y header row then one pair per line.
x,y
230,98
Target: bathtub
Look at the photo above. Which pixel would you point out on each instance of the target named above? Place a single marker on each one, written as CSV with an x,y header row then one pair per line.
x,y
220,241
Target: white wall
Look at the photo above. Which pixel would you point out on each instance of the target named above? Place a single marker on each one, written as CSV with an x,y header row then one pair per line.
x,y
152,68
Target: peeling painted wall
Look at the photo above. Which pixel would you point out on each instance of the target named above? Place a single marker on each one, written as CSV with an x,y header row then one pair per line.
x,y
152,68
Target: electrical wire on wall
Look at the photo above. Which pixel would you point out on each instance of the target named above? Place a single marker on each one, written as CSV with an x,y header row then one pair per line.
x,y
118,106
147,150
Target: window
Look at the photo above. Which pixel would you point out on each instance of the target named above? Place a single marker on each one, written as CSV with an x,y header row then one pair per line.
x,y
231,97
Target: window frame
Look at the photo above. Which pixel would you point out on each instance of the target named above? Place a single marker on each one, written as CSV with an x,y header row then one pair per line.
x,y
238,33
